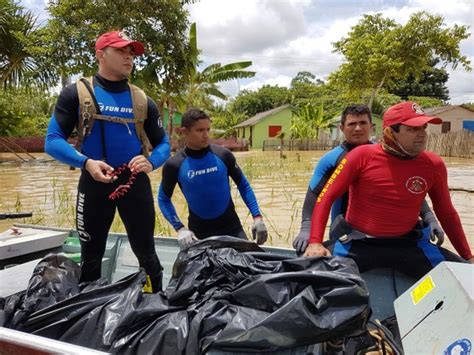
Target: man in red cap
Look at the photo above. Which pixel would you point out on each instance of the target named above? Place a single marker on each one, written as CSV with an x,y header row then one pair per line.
x,y
115,122
388,183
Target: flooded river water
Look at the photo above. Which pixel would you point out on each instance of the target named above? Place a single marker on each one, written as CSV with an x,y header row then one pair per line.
x,y
48,189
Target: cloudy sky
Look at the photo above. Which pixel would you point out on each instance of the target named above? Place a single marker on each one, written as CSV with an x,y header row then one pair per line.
x,y
283,37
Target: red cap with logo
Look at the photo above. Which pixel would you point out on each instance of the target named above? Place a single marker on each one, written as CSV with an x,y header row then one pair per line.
x,y
409,114
118,39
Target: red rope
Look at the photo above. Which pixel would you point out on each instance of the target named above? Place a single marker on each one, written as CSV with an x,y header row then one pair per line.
x,y
124,188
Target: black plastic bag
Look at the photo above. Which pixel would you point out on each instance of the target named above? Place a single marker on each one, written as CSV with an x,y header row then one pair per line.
x,y
9,307
225,295
117,317
156,334
54,279
90,318
249,302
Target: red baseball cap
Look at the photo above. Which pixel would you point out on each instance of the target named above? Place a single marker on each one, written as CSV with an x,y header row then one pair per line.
x,y
409,114
118,39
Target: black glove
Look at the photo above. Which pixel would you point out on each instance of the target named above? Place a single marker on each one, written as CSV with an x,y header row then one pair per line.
x,y
302,239
437,233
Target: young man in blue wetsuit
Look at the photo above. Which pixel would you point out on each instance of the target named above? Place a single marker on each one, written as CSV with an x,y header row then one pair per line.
x,y
111,146
202,172
356,125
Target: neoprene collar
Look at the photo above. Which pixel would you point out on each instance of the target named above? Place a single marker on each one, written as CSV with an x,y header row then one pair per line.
x,y
111,86
193,153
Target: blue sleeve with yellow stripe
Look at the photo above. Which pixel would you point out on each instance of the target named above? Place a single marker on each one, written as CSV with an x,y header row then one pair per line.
x,y
321,174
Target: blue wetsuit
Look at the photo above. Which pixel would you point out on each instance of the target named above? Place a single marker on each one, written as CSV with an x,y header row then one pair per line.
x,y
119,143
116,145
321,174
203,176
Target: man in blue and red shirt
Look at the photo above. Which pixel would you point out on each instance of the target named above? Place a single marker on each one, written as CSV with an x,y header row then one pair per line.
x,y
387,184
356,125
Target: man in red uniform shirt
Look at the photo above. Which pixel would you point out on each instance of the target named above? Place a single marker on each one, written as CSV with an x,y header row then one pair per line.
x,y
387,184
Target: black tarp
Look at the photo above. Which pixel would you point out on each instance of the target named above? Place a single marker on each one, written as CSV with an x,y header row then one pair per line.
x,y
225,295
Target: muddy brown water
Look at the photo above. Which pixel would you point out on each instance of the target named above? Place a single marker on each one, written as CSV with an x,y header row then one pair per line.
x,y
48,189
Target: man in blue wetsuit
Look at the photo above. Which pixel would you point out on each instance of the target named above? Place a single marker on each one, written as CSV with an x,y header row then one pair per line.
x,y
202,171
112,146
356,125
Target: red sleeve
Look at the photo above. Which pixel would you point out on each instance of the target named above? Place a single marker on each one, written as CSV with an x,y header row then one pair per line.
x,y
446,213
336,185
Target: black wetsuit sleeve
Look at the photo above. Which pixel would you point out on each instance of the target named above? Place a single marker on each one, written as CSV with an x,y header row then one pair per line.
x,y
309,202
153,125
170,175
233,169
66,110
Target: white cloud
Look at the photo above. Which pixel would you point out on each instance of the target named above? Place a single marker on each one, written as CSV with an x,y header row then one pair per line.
x,y
461,85
284,37
277,64
38,7
454,11
239,27
280,80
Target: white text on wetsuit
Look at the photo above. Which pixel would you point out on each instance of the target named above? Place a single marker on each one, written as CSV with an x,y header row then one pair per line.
x,y
193,173
115,108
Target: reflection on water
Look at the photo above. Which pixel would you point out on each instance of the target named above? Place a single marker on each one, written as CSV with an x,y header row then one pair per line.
x,y
48,189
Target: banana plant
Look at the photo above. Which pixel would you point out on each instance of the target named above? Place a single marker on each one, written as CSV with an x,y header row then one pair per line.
x,y
308,120
202,84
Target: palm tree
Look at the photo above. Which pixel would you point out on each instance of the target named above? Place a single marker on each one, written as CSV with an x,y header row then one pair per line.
x,y
162,90
198,86
20,49
202,84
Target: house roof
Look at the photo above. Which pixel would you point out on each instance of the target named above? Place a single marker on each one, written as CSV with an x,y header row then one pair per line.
x,y
260,116
440,109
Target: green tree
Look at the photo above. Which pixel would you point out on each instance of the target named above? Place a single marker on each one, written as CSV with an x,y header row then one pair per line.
x,y
6,8
431,83
305,77
306,88
24,113
426,102
159,24
308,121
382,101
249,103
468,106
379,51
163,90
223,119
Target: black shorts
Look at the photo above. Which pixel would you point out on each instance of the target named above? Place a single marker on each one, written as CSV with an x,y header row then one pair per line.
x,y
414,256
